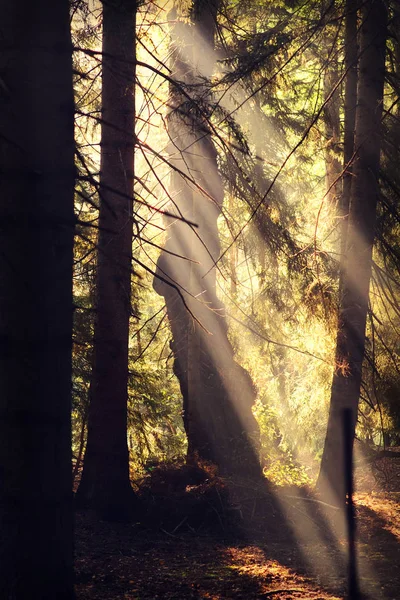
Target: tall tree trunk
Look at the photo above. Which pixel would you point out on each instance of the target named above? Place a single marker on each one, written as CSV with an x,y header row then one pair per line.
x,y
360,238
36,242
105,483
217,393
350,104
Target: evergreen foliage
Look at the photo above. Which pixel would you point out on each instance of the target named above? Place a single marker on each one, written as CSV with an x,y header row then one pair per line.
x,y
268,107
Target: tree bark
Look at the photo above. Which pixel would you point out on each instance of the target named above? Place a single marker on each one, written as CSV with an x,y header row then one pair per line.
x,y
105,483
36,243
360,238
217,393
350,103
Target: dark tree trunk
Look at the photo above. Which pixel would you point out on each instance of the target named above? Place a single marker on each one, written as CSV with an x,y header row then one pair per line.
x,y
36,242
360,238
350,104
105,483
218,394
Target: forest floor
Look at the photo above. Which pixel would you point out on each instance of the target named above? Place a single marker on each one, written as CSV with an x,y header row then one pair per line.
x,y
261,543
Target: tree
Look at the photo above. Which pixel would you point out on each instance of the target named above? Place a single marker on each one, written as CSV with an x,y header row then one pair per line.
x,y
105,483
36,241
355,277
350,103
217,392
331,115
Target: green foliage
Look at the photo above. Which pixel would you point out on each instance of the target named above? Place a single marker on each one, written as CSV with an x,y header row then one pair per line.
x,y
278,274
284,470
154,416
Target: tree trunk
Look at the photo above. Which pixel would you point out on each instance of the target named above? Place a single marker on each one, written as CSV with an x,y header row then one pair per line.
x,y
350,103
36,243
360,237
217,393
105,483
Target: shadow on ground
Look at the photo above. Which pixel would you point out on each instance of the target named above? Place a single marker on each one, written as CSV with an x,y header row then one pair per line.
x,y
217,540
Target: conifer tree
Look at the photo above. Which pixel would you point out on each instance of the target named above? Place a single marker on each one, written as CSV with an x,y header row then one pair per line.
x,y
105,483
218,393
355,277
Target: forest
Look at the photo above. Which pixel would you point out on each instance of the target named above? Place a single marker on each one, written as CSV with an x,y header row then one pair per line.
x,y
199,299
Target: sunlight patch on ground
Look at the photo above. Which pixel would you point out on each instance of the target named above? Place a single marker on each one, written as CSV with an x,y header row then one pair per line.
x,y
386,506
272,575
